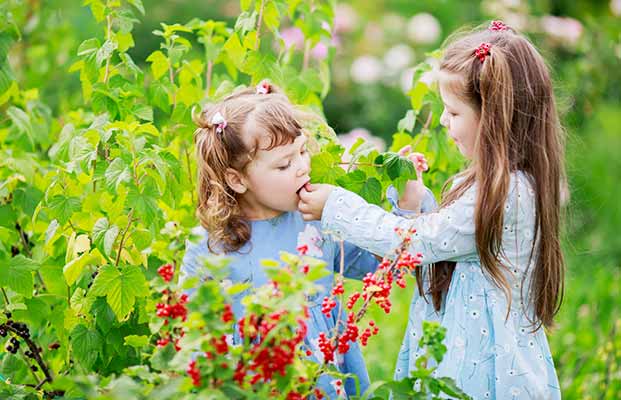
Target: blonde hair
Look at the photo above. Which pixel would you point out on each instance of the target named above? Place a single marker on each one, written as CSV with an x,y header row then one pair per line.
x,y
519,130
249,115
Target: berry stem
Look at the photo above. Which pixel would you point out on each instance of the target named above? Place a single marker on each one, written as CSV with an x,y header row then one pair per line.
x,y
35,354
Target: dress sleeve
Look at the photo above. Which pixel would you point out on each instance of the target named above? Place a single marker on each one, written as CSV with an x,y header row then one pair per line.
x,y
447,234
428,204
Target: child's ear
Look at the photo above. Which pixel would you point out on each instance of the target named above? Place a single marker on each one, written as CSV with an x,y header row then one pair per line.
x,y
235,180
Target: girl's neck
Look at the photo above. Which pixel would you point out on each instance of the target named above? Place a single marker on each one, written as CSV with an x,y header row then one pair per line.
x,y
255,212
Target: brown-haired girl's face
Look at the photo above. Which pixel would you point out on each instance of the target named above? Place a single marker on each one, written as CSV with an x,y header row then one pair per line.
x,y
274,178
459,117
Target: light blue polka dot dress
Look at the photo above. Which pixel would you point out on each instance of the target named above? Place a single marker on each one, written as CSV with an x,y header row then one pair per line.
x,y
489,355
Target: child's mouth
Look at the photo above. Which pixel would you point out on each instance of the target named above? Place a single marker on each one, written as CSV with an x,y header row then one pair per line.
x,y
302,187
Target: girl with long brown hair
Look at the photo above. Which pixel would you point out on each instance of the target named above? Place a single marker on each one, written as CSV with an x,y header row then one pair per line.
x,y
252,161
493,273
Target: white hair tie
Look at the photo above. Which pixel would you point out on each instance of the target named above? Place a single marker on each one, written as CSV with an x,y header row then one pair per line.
x,y
219,121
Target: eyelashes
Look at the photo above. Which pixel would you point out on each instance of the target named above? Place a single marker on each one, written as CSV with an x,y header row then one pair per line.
x,y
303,151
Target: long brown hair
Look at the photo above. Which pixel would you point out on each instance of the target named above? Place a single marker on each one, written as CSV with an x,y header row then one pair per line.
x,y
249,115
519,130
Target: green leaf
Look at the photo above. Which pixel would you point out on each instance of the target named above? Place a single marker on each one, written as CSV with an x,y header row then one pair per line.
x,y
271,16
74,268
245,4
159,64
400,140
89,46
117,173
104,235
260,65
408,122
162,356
137,341
417,94
368,188
144,201
22,122
62,207
396,166
235,50
138,5
105,51
325,168
143,112
86,345
16,274
121,287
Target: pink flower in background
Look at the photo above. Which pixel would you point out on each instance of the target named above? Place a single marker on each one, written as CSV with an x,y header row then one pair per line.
x,y
347,140
310,240
320,51
424,28
563,29
366,69
615,7
398,57
345,18
293,36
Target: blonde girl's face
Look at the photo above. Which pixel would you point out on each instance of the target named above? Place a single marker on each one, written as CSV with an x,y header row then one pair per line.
x,y
274,178
459,117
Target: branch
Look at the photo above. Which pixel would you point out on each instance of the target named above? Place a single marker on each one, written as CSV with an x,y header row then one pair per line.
x,y
34,349
108,33
256,43
129,223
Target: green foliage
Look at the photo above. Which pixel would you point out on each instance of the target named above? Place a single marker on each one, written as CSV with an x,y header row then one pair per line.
x,y
97,191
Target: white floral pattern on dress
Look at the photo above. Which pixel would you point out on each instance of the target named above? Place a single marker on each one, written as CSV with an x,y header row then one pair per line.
x,y
311,238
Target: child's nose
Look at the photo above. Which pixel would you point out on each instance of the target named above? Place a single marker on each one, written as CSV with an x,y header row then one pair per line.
x,y
304,167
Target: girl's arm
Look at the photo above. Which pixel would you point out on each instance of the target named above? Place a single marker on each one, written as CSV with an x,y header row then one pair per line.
x,y
447,234
357,261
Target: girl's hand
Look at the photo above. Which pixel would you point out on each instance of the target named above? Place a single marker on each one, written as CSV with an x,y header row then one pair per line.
x,y
415,191
312,199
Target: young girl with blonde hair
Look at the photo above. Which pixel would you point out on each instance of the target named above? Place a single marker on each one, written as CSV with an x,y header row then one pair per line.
x,y
252,163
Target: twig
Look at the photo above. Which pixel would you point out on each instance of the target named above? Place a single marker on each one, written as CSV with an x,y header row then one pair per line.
x,y
129,223
256,43
35,354
108,32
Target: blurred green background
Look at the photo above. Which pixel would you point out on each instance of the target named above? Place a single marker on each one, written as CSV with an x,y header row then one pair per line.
x,y
376,46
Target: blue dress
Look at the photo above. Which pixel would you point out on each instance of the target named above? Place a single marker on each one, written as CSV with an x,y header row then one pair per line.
x,y
269,237
488,356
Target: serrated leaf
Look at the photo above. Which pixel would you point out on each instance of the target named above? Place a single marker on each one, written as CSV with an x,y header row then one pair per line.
x,y
143,111
16,274
62,207
89,46
104,235
105,51
117,173
86,345
325,168
120,287
159,64
235,50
